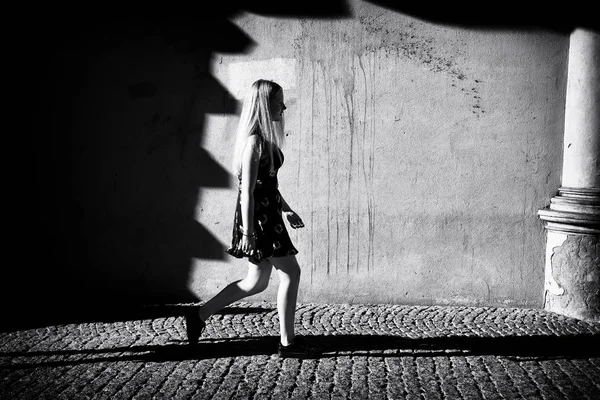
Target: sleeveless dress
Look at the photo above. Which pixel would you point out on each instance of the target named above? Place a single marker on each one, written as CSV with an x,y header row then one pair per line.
x,y
272,238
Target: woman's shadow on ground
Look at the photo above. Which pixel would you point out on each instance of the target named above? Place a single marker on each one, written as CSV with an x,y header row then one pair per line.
x,y
533,347
536,347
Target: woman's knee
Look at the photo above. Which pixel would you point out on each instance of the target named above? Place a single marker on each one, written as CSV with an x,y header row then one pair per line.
x,y
261,284
258,280
291,271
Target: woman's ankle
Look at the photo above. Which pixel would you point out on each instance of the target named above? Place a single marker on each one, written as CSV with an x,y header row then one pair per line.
x,y
286,341
202,314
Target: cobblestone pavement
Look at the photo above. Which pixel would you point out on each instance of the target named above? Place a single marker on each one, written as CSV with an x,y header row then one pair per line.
x,y
368,352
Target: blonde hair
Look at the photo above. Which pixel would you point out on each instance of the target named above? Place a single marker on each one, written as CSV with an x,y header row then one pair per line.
x,y
256,118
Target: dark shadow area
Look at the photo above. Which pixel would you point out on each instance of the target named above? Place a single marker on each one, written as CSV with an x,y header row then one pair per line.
x,y
334,9
537,347
126,312
561,18
109,167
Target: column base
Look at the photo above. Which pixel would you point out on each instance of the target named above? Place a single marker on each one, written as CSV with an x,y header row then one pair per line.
x,y
572,268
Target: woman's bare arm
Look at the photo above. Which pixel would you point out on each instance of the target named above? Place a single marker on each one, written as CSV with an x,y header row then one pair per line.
x,y
250,161
293,218
284,205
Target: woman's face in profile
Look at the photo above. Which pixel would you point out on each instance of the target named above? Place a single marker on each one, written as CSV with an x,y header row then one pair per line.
x,y
276,105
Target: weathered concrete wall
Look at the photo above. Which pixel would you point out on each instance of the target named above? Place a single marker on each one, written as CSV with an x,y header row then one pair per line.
x,y
418,156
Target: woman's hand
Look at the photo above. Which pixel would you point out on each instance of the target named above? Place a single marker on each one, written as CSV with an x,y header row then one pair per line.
x,y
248,244
294,219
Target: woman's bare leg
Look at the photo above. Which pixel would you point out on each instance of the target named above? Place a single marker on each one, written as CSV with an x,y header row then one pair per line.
x,y
255,282
287,295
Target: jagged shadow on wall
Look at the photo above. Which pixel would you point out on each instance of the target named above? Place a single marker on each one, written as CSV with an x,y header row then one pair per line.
x,y
512,14
109,209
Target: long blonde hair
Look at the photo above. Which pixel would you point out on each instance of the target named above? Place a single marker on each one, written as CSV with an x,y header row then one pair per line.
x,y
256,118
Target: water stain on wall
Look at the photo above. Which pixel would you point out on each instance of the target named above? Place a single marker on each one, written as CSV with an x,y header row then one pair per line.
x,y
340,133
339,73
409,42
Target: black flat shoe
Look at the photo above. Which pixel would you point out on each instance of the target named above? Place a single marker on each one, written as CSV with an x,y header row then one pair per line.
x,y
297,349
194,326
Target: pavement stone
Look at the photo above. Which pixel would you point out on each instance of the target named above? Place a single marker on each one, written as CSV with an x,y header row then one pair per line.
x,y
368,352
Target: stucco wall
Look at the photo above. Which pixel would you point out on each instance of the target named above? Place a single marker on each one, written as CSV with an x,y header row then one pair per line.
x,y
418,155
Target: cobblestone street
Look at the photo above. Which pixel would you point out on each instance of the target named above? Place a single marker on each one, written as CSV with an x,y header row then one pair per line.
x,y
368,352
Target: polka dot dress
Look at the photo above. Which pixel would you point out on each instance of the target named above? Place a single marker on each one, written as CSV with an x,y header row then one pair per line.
x,y
272,238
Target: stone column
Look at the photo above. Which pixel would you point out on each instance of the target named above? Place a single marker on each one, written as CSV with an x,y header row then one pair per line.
x,y
572,220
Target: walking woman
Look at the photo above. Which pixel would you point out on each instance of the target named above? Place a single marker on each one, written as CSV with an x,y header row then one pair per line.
x,y
259,232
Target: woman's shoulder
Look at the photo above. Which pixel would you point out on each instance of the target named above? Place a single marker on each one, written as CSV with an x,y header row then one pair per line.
x,y
255,139
255,143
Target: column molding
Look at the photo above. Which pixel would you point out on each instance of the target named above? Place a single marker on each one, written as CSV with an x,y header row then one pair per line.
x,y
572,219
573,210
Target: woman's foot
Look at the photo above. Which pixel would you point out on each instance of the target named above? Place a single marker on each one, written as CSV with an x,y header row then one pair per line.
x,y
298,348
194,325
